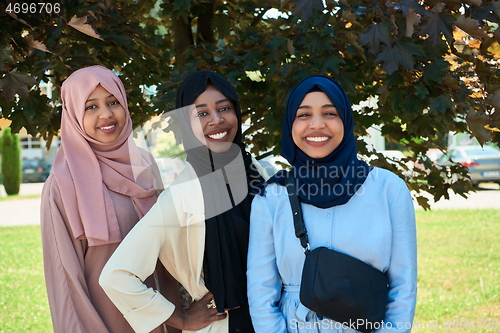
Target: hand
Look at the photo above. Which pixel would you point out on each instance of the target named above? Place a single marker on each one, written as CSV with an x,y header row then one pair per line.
x,y
197,316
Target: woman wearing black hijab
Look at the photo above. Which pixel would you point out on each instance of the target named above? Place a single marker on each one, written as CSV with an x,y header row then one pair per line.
x,y
366,213
199,227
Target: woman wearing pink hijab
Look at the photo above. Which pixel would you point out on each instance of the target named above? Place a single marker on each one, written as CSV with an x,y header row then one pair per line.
x,y
101,185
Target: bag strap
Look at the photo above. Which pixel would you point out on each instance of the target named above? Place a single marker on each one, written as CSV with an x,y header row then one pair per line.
x,y
298,221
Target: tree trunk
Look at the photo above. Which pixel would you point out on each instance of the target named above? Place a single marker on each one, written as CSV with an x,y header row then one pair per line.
x,y
205,33
183,37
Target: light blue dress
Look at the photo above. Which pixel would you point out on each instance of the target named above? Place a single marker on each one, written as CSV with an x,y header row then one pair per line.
x,y
377,226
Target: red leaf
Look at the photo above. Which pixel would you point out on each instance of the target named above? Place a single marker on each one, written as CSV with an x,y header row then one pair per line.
x,y
81,25
470,26
477,122
36,44
16,83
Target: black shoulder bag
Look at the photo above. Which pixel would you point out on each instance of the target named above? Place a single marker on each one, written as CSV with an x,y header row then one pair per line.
x,y
338,286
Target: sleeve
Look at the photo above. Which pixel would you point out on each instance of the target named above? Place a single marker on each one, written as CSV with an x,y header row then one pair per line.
x,y
67,290
402,270
132,262
264,281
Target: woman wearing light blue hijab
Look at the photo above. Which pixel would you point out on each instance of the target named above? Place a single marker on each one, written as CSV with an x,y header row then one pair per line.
x,y
347,206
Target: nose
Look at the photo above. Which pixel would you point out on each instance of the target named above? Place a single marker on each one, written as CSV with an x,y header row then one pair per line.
x,y
105,113
216,118
317,122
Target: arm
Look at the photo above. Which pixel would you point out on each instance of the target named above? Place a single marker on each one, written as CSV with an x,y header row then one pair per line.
x,y
402,271
132,262
70,304
264,281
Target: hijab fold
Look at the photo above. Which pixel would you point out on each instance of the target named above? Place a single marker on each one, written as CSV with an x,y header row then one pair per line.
x,y
331,180
226,234
85,169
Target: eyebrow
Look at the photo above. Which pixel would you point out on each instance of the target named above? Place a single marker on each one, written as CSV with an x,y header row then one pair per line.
x,y
94,99
218,102
323,106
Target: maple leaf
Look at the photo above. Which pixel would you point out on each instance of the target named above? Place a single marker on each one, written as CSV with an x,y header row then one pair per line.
x,y
376,34
494,99
437,23
495,122
400,54
36,44
81,25
5,57
470,26
441,104
306,7
477,122
16,83
411,19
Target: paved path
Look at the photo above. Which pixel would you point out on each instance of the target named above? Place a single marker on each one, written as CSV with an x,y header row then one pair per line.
x,y
27,211
21,211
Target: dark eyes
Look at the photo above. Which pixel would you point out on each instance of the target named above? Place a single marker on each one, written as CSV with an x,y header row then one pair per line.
x,y
94,106
205,113
326,113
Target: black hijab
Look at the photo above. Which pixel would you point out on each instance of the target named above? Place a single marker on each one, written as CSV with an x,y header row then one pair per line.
x,y
331,180
226,237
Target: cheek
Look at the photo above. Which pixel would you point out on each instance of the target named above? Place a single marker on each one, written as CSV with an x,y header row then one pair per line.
x,y
88,123
197,128
296,133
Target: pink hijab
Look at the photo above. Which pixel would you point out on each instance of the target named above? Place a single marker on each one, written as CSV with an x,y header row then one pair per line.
x,y
85,168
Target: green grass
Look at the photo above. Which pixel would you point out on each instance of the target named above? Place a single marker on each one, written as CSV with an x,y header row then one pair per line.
x,y
23,299
18,197
459,269
459,273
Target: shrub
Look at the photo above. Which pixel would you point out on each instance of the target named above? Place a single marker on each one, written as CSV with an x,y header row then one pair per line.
x,y
11,162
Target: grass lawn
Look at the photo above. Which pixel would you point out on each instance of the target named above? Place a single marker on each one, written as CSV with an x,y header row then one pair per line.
x,y
23,299
459,270
459,274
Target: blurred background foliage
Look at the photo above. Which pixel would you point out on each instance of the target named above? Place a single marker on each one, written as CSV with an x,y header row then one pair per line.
x,y
428,67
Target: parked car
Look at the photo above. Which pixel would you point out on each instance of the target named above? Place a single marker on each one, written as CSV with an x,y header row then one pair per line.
x,y
35,170
483,162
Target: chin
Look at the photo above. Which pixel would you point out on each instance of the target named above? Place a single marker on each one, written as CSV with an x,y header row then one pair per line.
x,y
220,147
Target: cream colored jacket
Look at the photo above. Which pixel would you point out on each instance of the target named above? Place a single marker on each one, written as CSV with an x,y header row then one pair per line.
x,y
173,231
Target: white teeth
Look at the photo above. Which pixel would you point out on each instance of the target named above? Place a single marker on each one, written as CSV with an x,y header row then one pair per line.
x,y
107,127
317,139
218,136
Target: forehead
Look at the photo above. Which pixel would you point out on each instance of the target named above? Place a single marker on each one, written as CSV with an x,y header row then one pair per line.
x,y
316,98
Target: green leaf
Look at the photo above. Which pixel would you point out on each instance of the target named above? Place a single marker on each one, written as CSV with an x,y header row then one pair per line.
x,y
16,83
5,57
306,7
182,5
437,24
400,54
421,90
376,34
441,104
434,72
332,64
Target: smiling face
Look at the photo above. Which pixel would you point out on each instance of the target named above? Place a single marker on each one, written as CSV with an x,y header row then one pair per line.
x,y
317,129
104,117
214,121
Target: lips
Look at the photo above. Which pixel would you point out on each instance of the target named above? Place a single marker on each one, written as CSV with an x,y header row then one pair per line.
x,y
219,134
108,127
317,139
